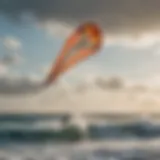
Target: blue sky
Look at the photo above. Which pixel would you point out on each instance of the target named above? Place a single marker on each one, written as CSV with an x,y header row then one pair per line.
x,y
39,49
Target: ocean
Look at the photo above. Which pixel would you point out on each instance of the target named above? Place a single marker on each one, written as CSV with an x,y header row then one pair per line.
x,y
53,137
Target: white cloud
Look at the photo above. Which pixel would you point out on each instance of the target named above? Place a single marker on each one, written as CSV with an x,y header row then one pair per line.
x,y
139,41
10,85
55,28
11,59
12,43
143,41
85,97
13,54
3,70
153,81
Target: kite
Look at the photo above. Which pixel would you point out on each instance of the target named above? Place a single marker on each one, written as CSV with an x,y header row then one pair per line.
x,y
83,43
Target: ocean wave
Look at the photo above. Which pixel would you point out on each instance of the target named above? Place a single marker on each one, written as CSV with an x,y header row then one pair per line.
x,y
130,130
46,128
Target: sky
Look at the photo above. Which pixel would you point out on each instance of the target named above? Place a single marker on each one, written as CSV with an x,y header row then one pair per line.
x,y
122,77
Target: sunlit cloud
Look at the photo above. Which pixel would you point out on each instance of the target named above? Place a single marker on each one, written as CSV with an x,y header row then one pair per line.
x,y
81,98
144,41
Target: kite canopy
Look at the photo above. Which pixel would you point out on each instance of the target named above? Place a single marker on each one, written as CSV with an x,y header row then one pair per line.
x,y
84,42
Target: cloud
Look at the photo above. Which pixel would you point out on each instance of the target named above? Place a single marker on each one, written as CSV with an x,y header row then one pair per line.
x,y
116,17
153,81
12,44
13,51
19,85
11,84
12,54
144,41
10,59
56,28
130,23
3,69
82,98
114,83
